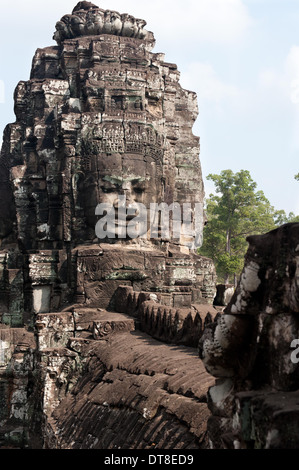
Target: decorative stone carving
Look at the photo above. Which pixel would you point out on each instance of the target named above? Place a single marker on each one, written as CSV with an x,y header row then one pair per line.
x,y
89,20
251,349
224,294
102,119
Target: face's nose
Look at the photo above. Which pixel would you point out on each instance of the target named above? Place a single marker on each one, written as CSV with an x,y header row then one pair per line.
x,y
126,200
126,187
125,197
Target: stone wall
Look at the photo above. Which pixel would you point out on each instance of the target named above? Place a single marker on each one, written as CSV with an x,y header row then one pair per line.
x,y
251,349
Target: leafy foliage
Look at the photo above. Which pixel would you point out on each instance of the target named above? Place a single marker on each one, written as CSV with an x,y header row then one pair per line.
x,y
280,218
236,211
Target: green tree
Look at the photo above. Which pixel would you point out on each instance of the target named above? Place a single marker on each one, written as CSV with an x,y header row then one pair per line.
x,y
297,177
280,218
235,212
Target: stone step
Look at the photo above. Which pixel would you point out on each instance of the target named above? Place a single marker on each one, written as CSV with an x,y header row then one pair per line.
x,y
130,397
55,329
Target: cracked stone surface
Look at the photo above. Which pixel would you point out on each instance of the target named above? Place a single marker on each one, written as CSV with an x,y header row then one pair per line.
x,y
143,393
82,318
252,349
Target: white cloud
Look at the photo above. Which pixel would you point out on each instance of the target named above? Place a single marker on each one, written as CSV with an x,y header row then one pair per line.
x,y
292,74
268,78
283,82
216,21
224,21
213,93
202,76
219,22
281,85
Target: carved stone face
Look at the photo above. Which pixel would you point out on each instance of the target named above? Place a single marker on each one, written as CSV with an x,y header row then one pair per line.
x,y
62,32
115,22
107,23
94,22
77,25
130,28
122,181
134,177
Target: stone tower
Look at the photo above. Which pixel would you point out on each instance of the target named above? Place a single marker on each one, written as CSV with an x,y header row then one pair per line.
x,y
102,120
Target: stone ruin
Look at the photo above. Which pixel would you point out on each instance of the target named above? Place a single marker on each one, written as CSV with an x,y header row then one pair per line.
x,y
98,337
252,350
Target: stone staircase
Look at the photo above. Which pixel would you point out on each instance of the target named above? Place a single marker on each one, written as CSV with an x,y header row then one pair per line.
x,y
97,366
134,392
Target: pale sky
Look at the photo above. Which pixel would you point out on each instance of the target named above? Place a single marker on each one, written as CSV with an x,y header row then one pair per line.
x,y
241,57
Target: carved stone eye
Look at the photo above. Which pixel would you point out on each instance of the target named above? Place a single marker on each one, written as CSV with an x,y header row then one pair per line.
x,y
108,190
138,190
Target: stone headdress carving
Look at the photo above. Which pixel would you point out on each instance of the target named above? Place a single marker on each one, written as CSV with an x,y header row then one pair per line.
x,y
89,20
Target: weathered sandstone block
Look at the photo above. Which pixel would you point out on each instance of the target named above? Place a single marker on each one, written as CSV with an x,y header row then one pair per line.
x,y
251,349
